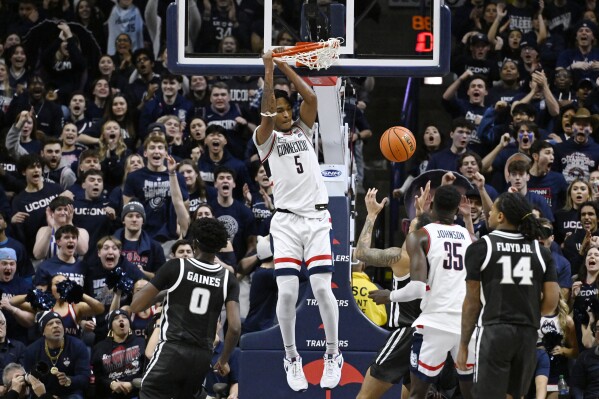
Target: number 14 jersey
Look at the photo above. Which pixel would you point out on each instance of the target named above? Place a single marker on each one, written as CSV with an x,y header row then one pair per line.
x,y
512,271
446,285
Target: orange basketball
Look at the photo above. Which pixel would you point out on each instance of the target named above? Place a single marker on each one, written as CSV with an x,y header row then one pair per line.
x,y
398,144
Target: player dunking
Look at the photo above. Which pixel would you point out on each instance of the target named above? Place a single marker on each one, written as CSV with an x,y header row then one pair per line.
x,y
197,289
442,247
508,270
300,228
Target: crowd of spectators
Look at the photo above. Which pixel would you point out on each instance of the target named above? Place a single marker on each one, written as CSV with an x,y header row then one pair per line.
x,y
524,101
108,157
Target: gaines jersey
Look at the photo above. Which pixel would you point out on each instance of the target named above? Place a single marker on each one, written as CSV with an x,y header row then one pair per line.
x,y
402,314
445,287
297,181
195,297
512,271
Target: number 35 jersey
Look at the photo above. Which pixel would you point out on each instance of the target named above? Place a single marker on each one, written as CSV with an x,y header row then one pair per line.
x,y
297,180
512,271
446,285
194,300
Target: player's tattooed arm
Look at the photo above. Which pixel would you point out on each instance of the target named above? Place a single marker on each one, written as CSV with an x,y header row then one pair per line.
x,y
374,256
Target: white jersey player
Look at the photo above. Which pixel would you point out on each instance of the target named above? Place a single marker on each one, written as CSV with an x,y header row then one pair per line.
x,y
300,228
438,277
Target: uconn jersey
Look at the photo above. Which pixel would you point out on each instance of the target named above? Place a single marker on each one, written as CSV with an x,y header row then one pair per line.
x,y
512,271
446,287
402,314
193,303
298,183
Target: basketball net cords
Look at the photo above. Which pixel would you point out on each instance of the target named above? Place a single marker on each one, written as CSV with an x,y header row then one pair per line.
x,y
320,58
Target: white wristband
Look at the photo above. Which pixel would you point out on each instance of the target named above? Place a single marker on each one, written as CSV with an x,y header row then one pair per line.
x,y
413,290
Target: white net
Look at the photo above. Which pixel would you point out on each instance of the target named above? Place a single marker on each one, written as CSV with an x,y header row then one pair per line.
x,y
320,55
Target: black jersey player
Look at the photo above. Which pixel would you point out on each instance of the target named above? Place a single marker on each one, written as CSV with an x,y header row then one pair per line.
x,y
196,291
511,282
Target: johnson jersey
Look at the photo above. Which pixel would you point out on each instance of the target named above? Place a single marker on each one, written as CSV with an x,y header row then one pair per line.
x,y
512,271
402,314
298,185
195,297
446,287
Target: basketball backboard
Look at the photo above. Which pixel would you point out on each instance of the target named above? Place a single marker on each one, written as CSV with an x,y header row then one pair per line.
x,y
412,38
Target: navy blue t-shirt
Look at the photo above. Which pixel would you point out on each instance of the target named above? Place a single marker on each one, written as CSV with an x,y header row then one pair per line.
x,y
153,190
239,221
552,187
53,266
35,205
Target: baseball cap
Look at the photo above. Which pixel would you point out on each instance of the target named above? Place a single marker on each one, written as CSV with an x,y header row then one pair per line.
x,y
8,254
479,38
134,206
529,41
472,192
585,82
152,127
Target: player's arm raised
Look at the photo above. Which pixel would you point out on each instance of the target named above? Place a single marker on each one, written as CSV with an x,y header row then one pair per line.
x,y
389,257
309,107
268,106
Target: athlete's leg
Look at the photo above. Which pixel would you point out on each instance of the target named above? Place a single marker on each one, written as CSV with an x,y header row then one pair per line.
x,y
373,388
418,387
288,291
327,306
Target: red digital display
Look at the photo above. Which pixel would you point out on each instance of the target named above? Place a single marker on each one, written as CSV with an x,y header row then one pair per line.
x,y
424,39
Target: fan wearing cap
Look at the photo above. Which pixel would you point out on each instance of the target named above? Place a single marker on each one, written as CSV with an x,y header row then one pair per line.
x,y
583,59
579,155
476,57
65,358
583,89
160,189
118,359
24,265
139,247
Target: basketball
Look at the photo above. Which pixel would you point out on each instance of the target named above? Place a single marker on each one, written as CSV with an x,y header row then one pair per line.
x,y
397,144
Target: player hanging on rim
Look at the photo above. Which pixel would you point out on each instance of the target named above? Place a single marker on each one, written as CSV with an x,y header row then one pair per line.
x,y
197,290
508,273
300,228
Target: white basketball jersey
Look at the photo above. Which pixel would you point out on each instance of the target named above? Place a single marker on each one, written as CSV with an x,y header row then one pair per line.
x,y
446,283
298,185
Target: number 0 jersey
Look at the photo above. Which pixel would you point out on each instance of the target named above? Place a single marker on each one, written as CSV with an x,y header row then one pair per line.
x,y
512,271
297,180
446,285
195,298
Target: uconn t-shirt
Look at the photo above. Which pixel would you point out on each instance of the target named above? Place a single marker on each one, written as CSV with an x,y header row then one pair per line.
x,y
153,190
51,267
34,204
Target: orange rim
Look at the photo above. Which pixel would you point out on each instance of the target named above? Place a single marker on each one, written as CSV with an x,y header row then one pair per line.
x,y
301,48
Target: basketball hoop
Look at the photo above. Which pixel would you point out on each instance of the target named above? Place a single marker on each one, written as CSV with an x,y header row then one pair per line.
x,y
320,55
